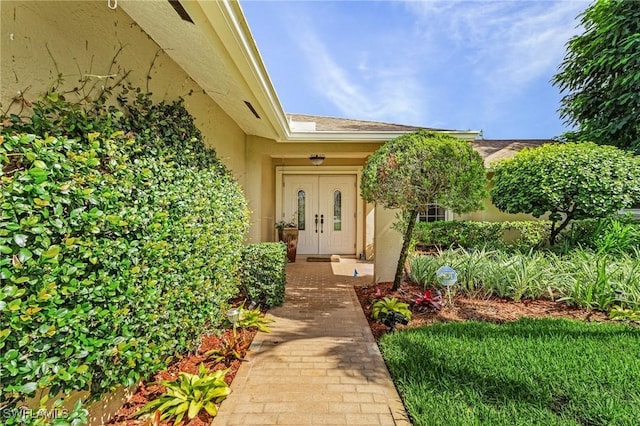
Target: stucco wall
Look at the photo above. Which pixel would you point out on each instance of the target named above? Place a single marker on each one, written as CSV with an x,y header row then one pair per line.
x,y
492,214
40,39
388,245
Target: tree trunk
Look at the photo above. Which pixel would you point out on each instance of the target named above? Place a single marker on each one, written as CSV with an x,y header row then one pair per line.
x,y
552,235
556,231
405,248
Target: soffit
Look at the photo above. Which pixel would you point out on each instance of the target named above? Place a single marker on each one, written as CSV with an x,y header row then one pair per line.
x,y
209,51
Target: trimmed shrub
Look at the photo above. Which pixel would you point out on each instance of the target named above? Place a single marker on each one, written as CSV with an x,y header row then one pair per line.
x,y
119,245
475,235
528,234
264,272
414,170
566,182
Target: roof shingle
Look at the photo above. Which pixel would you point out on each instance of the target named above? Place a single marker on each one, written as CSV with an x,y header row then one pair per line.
x,y
327,124
493,150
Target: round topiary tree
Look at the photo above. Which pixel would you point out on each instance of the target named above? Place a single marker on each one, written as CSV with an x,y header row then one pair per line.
x,y
417,169
567,181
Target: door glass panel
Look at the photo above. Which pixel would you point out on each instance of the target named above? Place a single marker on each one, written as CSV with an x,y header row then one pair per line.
x,y
301,209
337,211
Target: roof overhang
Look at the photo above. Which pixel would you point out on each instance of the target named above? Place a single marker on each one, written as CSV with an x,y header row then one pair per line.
x,y
217,50
360,136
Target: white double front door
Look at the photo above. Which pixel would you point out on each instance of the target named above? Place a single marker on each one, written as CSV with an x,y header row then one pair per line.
x,y
325,209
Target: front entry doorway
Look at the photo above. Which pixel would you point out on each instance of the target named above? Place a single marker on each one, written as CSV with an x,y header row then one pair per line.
x,y
324,206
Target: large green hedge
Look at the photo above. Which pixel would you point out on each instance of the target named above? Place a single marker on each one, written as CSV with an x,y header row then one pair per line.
x,y
264,273
120,242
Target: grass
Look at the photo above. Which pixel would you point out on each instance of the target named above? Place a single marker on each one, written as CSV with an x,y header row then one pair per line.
x,y
528,372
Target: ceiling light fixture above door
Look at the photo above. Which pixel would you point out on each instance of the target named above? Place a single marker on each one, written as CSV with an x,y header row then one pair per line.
x,y
316,159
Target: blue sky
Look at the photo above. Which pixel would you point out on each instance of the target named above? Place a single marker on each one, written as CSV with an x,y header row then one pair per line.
x,y
465,65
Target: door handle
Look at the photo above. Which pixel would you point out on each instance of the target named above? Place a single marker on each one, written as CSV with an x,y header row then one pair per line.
x,y
321,223
316,224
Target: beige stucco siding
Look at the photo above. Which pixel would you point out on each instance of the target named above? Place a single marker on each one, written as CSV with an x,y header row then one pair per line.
x,y
83,39
388,244
492,214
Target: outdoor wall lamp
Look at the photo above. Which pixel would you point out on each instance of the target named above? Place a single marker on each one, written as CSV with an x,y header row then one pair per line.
x,y
316,159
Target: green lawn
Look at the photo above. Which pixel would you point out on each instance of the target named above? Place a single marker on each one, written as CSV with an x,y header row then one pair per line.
x,y
529,372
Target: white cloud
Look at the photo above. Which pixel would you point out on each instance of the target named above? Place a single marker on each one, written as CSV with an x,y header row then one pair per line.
x,y
509,43
368,90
